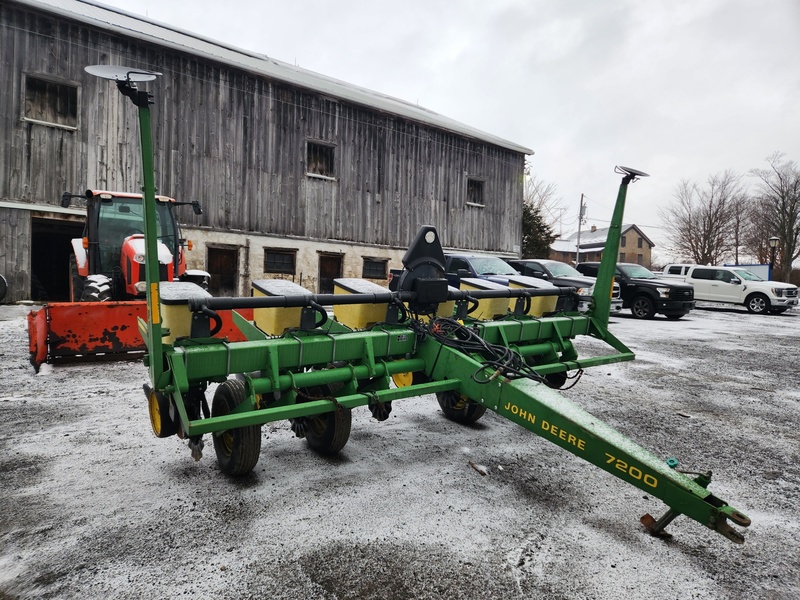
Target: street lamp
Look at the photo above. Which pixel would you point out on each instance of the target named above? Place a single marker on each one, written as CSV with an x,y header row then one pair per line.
x,y
773,246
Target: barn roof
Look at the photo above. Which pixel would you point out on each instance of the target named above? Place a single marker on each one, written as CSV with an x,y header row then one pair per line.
x,y
591,240
135,26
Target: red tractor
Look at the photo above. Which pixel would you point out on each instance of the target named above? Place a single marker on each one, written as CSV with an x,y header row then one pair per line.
x,y
108,266
108,261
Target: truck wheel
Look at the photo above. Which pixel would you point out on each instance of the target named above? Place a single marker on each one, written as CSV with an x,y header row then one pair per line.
x,y
75,281
643,308
237,449
459,408
757,304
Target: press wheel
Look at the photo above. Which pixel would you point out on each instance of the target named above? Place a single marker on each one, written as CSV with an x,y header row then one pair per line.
x,y
459,408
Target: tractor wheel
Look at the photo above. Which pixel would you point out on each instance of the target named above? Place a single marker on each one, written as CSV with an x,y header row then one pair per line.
x,y
643,307
237,449
97,288
38,293
328,432
757,304
163,425
75,281
459,408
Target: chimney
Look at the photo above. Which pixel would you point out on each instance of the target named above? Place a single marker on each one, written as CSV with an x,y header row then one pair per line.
x,y
594,228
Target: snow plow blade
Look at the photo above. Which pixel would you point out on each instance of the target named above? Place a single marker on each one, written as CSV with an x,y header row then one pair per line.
x,y
93,331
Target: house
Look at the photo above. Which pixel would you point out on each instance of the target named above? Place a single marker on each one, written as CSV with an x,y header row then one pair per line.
x,y
634,246
300,175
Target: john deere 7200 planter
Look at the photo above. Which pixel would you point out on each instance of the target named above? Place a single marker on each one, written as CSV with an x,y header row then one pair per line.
x,y
301,365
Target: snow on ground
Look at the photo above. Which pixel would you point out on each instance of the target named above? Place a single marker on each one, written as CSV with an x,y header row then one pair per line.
x,y
92,505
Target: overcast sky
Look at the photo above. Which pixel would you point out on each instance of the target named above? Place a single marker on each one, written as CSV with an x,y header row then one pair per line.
x,y
680,89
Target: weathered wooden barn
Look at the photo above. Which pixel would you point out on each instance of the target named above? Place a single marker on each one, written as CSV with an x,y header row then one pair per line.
x,y
300,175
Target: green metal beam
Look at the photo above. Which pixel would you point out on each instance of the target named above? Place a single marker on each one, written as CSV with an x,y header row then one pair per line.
x,y
315,407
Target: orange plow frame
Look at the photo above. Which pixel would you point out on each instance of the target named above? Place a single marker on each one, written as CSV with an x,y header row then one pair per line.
x,y
90,331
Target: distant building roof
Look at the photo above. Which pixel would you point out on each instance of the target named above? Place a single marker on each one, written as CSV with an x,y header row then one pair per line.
x,y
593,239
135,26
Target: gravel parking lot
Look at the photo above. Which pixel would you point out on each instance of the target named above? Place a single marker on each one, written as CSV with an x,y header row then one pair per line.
x,y
92,505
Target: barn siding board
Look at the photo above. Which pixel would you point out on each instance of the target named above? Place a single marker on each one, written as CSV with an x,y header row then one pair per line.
x,y
15,259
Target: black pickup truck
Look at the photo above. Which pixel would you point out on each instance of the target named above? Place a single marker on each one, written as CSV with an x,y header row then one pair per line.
x,y
644,293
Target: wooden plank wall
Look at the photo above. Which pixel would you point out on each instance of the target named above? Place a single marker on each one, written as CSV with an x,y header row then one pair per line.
x,y
15,225
237,143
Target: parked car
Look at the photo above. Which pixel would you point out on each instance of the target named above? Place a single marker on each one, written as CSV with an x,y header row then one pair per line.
x,y
645,293
457,266
497,270
477,265
564,275
737,285
493,269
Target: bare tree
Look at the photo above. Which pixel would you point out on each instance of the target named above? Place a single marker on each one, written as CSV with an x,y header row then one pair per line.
x,y
542,196
701,220
779,193
759,230
741,223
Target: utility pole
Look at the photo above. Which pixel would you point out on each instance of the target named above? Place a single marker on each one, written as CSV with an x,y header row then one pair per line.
x,y
581,213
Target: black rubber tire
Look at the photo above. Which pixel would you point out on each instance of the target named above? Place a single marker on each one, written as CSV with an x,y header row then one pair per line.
x,y
758,304
163,425
237,449
643,307
38,293
97,288
556,380
328,432
76,282
459,408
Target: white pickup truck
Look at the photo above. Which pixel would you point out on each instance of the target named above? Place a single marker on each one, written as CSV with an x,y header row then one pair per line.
x,y
735,285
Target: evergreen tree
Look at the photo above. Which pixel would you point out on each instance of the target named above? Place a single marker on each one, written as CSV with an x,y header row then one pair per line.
x,y
536,234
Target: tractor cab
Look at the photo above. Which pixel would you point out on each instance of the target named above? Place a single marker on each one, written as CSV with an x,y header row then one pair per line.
x,y
109,261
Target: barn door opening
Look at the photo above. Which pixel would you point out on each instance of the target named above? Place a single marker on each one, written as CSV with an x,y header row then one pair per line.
x,y
330,268
223,266
51,248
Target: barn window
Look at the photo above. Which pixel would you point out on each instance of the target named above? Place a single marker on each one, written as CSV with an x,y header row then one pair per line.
x,y
623,241
639,243
279,261
319,159
621,257
374,268
51,103
475,192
